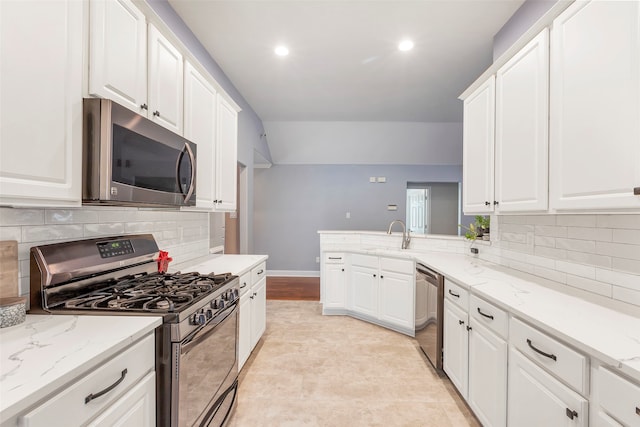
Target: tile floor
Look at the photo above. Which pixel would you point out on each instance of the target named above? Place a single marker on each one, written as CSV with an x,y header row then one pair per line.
x,y
314,370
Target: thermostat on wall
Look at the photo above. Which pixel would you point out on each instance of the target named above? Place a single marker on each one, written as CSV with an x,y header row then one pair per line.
x,y
392,207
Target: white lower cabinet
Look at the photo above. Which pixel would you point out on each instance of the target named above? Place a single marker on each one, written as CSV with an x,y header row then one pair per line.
x,y
616,400
334,295
535,398
253,311
487,375
364,291
455,346
128,381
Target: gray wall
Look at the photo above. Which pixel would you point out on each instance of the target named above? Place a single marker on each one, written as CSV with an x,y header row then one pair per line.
x,y
519,23
249,124
293,202
444,208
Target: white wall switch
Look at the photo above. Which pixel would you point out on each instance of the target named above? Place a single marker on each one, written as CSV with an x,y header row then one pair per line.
x,y
348,215
372,179
382,179
317,260
392,207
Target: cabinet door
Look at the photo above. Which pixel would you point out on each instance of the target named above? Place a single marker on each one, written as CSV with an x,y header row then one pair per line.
x,y
41,103
595,106
200,127
334,286
226,156
118,53
244,328
522,142
364,291
487,375
477,152
455,347
165,82
258,310
397,294
137,408
537,399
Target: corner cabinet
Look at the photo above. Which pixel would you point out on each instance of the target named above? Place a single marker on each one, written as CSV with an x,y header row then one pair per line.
x,y
333,282
41,103
595,106
253,311
200,100
226,156
118,53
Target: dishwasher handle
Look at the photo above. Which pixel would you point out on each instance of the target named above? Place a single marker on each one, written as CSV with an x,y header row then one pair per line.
x,y
432,276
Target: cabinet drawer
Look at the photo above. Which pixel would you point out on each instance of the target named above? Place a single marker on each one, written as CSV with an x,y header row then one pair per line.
x,y
619,397
258,272
364,260
334,258
245,282
456,294
489,315
138,360
565,363
397,265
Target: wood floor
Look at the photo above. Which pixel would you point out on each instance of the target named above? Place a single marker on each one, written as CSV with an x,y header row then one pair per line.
x,y
293,288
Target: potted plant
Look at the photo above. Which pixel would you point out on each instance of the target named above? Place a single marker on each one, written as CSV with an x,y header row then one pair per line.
x,y
483,223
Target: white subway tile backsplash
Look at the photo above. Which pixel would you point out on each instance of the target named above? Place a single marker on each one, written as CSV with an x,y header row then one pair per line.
x,y
551,274
588,246
619,221
550,252
513,237
626,236
550,230
618,250
590,285
576,220
516,228
626,295
70,216
541,261
546,241
590,233
11,216
576,269
108,229
589,259
11,233
618,278
626,265
51,232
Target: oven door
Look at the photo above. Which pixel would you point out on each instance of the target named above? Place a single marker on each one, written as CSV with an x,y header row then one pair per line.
x,y
205,372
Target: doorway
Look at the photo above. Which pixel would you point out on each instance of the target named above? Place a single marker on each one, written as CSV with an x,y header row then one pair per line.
x,y
232,221
433,207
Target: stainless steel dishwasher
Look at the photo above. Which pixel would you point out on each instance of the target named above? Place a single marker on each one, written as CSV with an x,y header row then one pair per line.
x,y
429,313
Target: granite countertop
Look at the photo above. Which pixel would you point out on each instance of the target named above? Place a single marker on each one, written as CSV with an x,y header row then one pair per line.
x,y
47,352
234,264
602,332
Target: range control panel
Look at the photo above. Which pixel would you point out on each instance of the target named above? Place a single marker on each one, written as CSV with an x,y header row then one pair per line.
x,y
115,248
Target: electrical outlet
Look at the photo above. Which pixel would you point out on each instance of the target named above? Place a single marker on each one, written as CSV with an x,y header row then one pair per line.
x,y
372,179
348,215
317,260
382,179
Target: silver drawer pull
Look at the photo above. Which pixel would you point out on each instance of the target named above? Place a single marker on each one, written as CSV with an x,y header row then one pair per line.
x,y
549,355
488,316
335,257
106,390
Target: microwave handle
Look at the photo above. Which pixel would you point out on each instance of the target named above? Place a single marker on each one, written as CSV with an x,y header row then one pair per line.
x,y
192,159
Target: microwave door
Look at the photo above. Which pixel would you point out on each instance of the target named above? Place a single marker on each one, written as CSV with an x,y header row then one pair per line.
x,y
186,173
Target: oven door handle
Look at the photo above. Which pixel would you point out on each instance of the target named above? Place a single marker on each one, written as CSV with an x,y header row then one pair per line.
x,y
204,331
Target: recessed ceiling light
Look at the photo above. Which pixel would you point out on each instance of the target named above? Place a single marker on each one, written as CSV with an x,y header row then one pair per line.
x,y
282,51
405,45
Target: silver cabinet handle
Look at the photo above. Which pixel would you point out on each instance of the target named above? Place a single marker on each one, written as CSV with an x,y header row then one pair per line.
x,y
92,396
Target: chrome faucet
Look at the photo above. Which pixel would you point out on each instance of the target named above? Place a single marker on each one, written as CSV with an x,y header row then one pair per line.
x,y
406,234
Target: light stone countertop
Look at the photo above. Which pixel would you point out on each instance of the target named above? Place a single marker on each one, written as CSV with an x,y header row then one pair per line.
x,y
234,264
611,336
46,352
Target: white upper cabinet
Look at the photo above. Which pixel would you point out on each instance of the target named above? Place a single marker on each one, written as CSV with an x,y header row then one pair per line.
x,y
165,82
200,127
118,53
41,103
226,156
595,106
477,153
522,114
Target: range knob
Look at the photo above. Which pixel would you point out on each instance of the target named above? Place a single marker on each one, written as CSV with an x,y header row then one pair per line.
x,y
221,304
209,313
199,318
214,304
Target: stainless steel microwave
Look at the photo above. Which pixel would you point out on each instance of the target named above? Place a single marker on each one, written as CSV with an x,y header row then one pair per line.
x,y
128,160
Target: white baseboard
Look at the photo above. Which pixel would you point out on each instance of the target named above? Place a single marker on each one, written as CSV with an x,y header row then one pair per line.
x,y
292,273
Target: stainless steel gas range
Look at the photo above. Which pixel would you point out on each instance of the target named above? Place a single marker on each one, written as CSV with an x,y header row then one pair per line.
x,y
196,346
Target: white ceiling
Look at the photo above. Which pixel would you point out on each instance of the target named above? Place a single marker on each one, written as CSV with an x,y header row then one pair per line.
x,y
344,63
